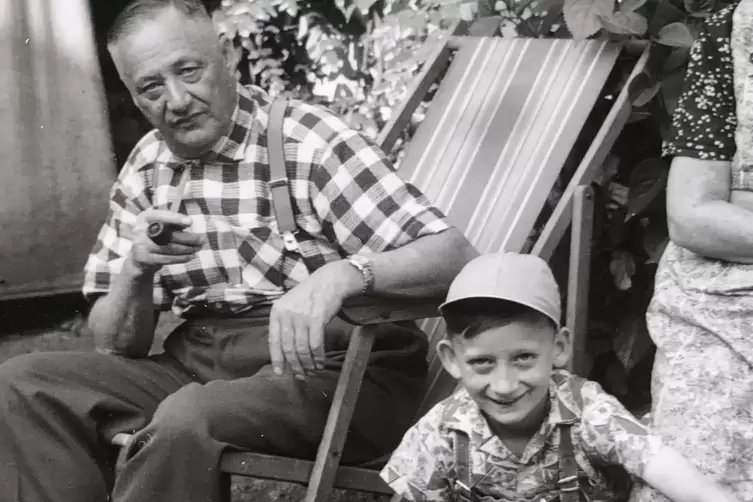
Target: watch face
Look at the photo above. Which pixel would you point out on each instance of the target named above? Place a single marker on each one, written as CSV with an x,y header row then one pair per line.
x,y
359,260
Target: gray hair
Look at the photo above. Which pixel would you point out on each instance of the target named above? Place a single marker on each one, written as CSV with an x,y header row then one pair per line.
x,y
141,10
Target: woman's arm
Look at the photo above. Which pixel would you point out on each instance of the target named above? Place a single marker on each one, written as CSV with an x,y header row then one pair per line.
x,y
700,215
680,481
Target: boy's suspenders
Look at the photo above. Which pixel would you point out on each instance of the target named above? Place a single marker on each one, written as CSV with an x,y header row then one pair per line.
x,y
569,482
463,487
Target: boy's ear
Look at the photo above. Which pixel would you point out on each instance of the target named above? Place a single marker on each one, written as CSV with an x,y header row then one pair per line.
x,y
563,346
447,355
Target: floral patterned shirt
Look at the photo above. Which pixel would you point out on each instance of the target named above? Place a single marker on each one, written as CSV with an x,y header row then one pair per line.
x,y
704,121
604,434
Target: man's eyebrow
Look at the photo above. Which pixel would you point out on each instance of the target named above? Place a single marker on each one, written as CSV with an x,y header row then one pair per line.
x,y
186,60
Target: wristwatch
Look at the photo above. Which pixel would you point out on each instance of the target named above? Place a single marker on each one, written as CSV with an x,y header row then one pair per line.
x,y
363,264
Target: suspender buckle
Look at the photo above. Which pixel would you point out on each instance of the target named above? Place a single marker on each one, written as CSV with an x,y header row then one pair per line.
x,y
291,243
568,479
462,492
280,182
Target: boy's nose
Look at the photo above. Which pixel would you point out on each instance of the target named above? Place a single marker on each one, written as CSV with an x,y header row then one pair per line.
x,y
504,384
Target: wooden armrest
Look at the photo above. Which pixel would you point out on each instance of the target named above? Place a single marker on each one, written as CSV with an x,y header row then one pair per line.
x,y
365,310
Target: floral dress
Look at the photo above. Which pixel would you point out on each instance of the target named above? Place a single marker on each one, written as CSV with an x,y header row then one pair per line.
x,y
701,315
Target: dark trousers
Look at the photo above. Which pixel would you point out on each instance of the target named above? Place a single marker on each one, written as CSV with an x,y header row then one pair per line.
x,y
212,390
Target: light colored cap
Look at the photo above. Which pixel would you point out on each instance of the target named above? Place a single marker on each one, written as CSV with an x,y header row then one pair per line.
x,y
513,277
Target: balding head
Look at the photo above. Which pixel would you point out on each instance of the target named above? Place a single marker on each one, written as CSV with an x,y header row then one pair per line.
x,y
139,11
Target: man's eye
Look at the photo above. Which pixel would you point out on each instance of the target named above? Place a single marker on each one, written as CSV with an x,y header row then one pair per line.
x,y
190,71
150,89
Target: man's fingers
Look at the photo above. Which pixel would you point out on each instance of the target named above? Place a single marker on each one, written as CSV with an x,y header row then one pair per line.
x,y
275,344
316,343
169,217
316,337
302,343
287,337
167,259
188,239
173,249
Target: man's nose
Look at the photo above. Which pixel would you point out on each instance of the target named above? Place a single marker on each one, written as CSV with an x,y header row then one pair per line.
x,y
178,97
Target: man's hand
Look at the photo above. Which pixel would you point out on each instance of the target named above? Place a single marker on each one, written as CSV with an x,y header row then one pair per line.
x,y
148,257
298,319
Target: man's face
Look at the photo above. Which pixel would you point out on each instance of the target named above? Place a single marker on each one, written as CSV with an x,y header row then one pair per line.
x,y
178,75
507,369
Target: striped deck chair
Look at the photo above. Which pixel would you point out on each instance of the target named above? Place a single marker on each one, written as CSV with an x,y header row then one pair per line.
x,y
496,136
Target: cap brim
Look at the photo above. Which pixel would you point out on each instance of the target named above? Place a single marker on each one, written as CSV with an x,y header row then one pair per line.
x,y
442,308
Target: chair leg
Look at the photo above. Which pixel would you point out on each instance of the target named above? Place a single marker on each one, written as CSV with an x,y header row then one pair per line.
x,y
579,276
343,403
225,487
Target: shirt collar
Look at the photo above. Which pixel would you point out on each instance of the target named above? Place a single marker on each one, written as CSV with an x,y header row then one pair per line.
x,y
231,147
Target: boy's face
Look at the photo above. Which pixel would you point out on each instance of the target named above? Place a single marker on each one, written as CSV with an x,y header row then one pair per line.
x,y
506,370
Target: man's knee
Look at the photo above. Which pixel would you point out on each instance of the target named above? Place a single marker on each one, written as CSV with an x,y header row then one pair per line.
x,y
24,373
27,366
183,414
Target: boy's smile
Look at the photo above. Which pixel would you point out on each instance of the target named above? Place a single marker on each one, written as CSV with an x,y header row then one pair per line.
x,y
506,370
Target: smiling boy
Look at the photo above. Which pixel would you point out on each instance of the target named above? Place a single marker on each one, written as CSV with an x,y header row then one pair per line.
x,y
520,428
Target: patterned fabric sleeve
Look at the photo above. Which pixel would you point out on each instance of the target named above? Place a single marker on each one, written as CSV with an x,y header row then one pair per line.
x,y
704,121
418,468
128,198
612,435
361,200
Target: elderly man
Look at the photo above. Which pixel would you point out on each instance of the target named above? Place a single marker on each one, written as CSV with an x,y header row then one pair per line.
x,y
255,364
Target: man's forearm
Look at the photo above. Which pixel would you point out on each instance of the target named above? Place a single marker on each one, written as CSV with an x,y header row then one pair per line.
x,y
123,320
423,268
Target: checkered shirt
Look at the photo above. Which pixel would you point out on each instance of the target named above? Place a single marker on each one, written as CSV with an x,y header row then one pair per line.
x,y
604,434
347,198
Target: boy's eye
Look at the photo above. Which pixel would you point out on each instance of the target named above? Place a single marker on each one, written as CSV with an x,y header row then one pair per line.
x,y
526,357
481,362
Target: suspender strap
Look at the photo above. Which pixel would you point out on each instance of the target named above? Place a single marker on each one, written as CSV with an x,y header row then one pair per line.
x,y
278,180
463,486
568,483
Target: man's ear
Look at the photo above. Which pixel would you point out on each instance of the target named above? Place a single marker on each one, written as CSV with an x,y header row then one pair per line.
x,y
563,346
447,355
231,53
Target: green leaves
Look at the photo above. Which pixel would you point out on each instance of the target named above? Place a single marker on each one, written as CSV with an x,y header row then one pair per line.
x,y
586,18
647,181
625,23
675,35
583,17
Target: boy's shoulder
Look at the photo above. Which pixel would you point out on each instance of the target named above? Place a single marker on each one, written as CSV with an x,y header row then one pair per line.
x,y
571,392
575,393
